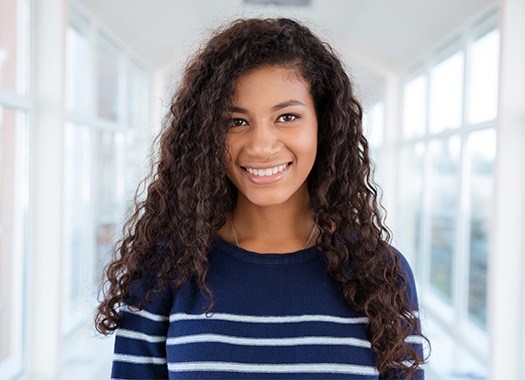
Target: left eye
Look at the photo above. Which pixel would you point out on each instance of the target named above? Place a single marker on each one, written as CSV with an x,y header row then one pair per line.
x,y
287,117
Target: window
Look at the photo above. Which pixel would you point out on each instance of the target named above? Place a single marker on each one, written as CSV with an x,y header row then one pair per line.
x,y
14,46
14,152
107,103
77,66
442,186
483,82
14,177
480,155
446,93
78,216
411,197
414,107
107,79
137,123
110,193
373,126
137,97
447,152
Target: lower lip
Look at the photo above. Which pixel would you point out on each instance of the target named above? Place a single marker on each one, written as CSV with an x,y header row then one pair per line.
x,y
266,180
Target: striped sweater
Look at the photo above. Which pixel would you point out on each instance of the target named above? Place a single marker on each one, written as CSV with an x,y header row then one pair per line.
x,y
276,316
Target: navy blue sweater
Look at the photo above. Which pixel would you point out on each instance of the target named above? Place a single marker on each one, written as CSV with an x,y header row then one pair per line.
x,y
276,316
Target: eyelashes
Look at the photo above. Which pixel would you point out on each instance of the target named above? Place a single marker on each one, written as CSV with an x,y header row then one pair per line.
x,y
234,122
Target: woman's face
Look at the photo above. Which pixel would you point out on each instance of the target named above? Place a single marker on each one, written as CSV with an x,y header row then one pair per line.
x,y
272,138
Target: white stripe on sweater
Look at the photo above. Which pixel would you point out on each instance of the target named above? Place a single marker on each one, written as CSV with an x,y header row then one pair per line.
x,y
273,368
138,359
144,313
415,339
303,340
140,336
269,319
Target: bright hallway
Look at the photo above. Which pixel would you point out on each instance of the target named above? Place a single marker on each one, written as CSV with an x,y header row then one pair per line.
x,y
84,87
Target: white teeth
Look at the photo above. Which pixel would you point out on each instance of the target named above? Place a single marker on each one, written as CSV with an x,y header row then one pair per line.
x,y
267,172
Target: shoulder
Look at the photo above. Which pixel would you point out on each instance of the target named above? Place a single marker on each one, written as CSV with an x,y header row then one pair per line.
x,y
351,236
407,276
397,258
403,262
145,293
147,286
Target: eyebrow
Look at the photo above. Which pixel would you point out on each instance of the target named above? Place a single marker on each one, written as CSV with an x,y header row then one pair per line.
x,y
276,107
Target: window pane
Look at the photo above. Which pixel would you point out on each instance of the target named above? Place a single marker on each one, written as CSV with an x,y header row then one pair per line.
x,y
136,164
444,156
77,71
137,120
108,81
481,150
14,45
138,98
14,177
78,216
483,83
446,93
411,192
373,123
110,193
415,107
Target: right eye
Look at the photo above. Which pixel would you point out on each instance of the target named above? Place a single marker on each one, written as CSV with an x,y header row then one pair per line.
x,y
237,122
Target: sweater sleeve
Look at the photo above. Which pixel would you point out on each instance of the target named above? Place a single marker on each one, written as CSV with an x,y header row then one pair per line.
x,y
140,340
415,340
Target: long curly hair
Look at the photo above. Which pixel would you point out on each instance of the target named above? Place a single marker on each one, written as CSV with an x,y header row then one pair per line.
x,y
189,194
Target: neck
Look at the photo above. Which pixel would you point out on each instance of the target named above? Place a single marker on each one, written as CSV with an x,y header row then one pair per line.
x,y
277,228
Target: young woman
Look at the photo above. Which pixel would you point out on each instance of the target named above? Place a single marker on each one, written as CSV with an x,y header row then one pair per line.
x,y
260,250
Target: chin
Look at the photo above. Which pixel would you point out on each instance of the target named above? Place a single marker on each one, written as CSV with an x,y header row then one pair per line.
x,y
268,199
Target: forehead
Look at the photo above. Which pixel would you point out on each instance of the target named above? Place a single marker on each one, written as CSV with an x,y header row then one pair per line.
x,y
269,85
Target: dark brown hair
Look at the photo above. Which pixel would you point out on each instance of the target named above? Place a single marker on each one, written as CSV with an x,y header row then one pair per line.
x,y
189,193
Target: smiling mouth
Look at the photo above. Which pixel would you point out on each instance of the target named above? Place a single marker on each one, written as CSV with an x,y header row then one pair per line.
x,y
269,172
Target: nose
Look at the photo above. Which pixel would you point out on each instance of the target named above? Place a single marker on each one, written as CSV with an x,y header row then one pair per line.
x,y
263,140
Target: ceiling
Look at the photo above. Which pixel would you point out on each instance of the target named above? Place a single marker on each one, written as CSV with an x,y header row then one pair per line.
x,y
374,36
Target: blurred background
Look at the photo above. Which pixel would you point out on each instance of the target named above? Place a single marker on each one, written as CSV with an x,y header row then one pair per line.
x,y
83,89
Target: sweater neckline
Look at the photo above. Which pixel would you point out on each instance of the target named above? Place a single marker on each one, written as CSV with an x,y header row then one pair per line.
x,y
269,258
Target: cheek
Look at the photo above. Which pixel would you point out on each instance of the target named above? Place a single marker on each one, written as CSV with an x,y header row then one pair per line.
x,y
307,144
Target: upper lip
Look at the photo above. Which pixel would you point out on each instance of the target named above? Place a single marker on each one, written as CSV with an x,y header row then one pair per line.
x,y
266,166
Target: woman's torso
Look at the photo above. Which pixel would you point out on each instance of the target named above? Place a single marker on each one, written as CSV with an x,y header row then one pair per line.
x,y
274,316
